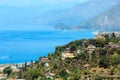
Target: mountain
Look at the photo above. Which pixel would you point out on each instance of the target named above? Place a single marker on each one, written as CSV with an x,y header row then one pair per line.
x,y
77,14
107,21
46,17
62,26
35,16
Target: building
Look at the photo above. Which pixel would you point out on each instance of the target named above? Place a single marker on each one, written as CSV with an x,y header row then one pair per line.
x,y
44,60
46,65
67,55
2,76
90,49
86,66
111,45
50,75
101,35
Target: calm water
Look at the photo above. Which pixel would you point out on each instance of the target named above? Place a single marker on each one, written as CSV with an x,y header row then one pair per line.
x,y
21,46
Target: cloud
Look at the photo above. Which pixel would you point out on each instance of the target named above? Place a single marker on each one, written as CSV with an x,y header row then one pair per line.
x,y
38,2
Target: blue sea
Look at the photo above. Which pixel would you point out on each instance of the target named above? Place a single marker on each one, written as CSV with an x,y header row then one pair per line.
x,y
22,46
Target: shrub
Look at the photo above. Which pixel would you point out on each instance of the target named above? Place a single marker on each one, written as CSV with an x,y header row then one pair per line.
x,y
97,77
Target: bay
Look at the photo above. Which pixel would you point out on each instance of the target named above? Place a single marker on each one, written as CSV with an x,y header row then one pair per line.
x,y
22,46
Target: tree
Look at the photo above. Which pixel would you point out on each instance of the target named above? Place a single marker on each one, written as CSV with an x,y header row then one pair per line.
x,y
102,52
24,66
104,62
73,47
97,77
58,51
34,73
107,37
115,59
20,75
113,71
58,48
55,66
3,79
32,64
76,76
83,56
63,73
113,35
97,42
7,70
49,56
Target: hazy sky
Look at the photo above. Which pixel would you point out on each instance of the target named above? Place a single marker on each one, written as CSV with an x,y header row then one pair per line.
x,y
15,11
22,3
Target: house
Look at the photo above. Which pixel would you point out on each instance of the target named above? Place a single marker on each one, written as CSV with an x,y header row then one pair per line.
x,y
50,75
80,51
16,70
1,69
58,79
86,66
67,55
11,79
46,65
68,72
90,49
100,36
111,45
2,76
44,60
67,50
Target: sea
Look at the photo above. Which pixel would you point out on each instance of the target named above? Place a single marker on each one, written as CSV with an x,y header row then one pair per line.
x,y
24,46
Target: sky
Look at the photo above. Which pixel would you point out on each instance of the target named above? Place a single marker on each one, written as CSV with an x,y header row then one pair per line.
x,y
14,11
23,3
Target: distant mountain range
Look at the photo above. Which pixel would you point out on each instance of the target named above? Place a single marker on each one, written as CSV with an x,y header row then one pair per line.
x,y
95,14
107,19
77,14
